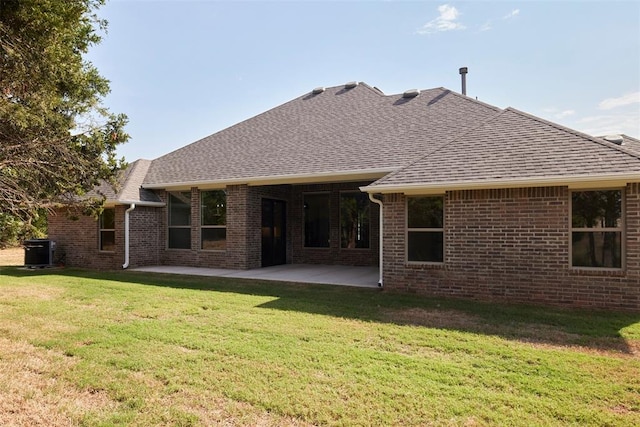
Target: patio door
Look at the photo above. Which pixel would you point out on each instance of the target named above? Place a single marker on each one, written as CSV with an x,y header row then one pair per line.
x,y
274,239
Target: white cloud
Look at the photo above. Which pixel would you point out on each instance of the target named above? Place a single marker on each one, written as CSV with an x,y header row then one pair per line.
x,y
447,21
486,26
610,124
512,14
628,99
565,113
556,113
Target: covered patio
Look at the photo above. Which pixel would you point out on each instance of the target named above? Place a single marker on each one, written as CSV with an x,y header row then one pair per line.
x,y
366,277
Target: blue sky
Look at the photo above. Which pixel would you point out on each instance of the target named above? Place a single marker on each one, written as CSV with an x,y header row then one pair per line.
x,y
182,70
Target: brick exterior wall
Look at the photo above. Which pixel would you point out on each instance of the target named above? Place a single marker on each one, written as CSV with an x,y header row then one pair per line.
x,y
244,228
334,254
512,245
77,239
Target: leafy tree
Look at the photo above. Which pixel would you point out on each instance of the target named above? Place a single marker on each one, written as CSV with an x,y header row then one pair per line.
x,y
57,141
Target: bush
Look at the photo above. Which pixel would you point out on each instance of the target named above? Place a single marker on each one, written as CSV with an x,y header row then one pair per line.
x,y
13,231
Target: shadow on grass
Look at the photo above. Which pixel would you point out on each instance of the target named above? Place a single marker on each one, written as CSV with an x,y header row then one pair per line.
x,y
598,330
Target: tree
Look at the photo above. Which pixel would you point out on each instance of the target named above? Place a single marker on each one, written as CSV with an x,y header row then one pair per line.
x,y
57,141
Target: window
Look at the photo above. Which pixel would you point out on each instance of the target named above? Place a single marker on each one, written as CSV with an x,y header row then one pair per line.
x,y
596,229
425,229
107,230
213,220
180,220
316,220
354,220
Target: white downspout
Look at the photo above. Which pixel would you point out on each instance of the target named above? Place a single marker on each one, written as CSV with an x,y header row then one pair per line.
x,y
126,235
379,203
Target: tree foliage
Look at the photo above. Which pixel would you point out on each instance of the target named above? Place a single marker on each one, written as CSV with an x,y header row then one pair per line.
x,y
57,141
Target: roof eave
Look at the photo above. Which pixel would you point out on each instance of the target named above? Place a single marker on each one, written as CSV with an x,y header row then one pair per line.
x,y
112,202
322,177
573,182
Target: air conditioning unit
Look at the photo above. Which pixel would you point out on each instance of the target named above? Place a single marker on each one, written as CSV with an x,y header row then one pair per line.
x,y
39,252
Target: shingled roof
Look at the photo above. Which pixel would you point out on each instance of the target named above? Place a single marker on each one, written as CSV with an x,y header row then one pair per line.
x,y
339,133
129,189
433,142
515,149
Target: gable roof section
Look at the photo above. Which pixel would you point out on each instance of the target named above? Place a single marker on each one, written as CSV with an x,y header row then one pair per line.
x,y
129,187
515,149
341,133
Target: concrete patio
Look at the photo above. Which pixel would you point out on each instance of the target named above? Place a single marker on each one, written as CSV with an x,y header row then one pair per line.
x,y
300,273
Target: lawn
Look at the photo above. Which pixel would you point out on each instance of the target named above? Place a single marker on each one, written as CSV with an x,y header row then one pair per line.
x,y
122,348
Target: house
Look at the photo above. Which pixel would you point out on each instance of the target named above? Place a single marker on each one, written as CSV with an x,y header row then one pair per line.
x,y
457,197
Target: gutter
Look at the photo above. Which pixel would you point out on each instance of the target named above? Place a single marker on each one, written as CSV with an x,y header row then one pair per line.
x,y
315,177
126,235
379,203
573,182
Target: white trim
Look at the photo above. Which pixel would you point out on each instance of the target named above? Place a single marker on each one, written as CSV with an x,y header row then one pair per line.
x,y
126,235
306,178
573,182
112,203
381,235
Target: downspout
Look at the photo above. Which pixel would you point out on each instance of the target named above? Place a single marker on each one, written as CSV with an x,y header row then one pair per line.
x,y
379,203
126,235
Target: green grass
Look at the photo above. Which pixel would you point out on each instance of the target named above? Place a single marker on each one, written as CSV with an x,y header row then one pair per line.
x,y
126,348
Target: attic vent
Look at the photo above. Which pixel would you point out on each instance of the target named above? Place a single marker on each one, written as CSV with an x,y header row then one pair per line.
x,y
411,93
318,90
351,85
616,139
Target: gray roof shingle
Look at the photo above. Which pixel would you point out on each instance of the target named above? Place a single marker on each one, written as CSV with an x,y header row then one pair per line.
x,y
338,130
129,188
514,146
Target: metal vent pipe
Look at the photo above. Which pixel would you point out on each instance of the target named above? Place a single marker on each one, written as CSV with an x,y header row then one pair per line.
x,y
463,74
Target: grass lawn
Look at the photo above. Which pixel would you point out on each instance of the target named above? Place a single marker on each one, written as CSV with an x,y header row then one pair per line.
x,y
124,348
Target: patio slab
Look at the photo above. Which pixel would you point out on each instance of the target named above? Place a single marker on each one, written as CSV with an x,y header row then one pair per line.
x,y
301,273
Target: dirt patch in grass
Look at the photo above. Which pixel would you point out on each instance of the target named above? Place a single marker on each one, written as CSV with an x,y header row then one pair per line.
x,y
32,393
33,293
436,318
12,256
536,334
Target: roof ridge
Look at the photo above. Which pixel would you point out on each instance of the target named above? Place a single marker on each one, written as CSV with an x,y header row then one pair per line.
x,y
560,127
468,98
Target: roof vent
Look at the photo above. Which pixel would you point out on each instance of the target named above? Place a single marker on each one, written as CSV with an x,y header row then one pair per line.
x,y
351,85
411,93
463,75
318,90
616,139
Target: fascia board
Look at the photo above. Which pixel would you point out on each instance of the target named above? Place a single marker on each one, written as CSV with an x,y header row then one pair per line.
x,y
573,182
323,177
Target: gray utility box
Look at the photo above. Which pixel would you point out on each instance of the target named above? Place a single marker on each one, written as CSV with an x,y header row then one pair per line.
x,y
39,252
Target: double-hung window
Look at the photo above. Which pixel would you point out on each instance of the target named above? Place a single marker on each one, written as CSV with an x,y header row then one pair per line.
x,y
596,229
354,220
213,220
425,229
107,230
180,220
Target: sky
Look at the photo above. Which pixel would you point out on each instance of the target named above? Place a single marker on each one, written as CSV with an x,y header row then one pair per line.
x,y
184,69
